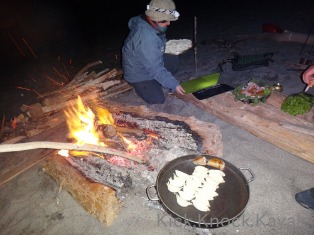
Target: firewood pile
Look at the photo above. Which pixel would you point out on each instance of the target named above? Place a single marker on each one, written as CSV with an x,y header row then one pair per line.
x,y
87,84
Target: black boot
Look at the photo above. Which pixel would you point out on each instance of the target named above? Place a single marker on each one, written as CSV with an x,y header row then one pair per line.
x,y
306,198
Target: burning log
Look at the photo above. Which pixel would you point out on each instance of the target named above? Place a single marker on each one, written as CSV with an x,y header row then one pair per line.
x,y
59,106
111,131
58,145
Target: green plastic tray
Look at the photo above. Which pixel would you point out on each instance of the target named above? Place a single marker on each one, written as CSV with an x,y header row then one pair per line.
x,y
200,83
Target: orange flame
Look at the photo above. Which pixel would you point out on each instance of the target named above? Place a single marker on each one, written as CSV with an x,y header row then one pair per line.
x,y
81,124
80,120
129,143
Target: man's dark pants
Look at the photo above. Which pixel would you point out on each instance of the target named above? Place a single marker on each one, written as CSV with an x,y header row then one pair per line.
x,y
151,91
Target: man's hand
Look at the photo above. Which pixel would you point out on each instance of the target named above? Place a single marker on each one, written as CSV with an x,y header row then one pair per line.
x,y
308,77
180,90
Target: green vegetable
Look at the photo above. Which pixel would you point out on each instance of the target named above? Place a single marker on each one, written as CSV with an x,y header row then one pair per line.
x,y
297,104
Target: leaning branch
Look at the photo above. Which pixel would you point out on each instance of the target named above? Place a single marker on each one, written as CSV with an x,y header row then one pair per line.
x,y
69,146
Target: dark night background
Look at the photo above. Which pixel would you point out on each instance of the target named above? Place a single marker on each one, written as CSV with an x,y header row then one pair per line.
x,y
66,28
86,31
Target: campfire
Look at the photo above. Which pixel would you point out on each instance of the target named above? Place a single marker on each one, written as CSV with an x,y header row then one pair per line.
x,y
98,127
149,139
109,149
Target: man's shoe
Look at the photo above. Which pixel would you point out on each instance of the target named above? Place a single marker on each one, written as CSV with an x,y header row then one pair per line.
x,y
306,198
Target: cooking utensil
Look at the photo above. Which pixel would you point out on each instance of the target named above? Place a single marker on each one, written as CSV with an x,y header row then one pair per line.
x,y
200,83
212,91
231,202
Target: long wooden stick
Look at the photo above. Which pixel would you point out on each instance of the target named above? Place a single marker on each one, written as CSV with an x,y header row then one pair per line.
x,y
59,145
195,45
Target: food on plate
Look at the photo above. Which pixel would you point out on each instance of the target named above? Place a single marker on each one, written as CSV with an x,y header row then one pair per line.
x,y
252,89
182,202
181,174
200,205
173,189
198,188
252,92
211,185
200,170
203,197
214,162
193,183
218,172
177,181
186,194
218,178
297,104
207,193
217,163
200,160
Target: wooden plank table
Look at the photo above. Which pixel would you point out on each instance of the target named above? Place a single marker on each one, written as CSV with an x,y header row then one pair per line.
x,y
295,134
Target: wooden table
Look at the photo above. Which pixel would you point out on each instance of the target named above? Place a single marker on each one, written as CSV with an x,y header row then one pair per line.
x,y
295,134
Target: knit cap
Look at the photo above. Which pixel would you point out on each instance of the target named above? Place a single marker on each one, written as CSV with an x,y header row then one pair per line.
x,y
159,10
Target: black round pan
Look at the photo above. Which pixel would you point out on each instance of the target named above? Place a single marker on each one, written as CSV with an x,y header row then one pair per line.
x,y
233,195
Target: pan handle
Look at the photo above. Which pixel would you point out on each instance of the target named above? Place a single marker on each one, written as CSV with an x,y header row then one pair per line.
x,y
148,193
250,171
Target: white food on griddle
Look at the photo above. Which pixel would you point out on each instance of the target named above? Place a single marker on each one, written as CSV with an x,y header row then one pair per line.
x,y
182,202
192,185
182,174
218,172
172,188
203,197
219,179
198,188
200,169
211,182
186,194
206,192
200,205
177,181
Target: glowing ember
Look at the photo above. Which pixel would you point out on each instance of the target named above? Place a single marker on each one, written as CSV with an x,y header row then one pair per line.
x,y
130,145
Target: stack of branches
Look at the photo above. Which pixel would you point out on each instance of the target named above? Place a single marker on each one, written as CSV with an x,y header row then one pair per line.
x,y
87,84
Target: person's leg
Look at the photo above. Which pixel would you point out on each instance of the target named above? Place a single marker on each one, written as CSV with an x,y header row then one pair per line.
x,y
306,198
150,91
172,62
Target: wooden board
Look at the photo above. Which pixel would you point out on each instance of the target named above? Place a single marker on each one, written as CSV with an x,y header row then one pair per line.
x,y
97,199
15,163
265,120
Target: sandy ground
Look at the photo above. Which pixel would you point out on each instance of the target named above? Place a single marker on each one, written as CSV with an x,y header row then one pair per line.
x,y
31,203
